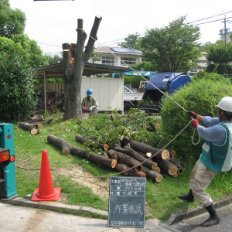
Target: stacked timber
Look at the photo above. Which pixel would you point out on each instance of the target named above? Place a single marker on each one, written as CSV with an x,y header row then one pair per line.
x,y
34,124
131,158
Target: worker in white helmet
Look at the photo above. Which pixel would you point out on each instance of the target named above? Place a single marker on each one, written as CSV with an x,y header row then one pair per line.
x,y
216,156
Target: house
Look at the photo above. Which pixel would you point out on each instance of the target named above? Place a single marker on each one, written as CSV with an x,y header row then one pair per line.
x,y
117,56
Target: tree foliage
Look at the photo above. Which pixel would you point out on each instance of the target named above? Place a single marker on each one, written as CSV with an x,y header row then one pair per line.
x,y
55,59
11,21
172,48
147,66
131,41
201,95
96,56
16,84
219,53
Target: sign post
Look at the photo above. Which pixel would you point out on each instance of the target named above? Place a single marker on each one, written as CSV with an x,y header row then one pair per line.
x,y
127,202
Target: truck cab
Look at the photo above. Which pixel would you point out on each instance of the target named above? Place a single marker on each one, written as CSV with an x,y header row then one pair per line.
x,y
168,82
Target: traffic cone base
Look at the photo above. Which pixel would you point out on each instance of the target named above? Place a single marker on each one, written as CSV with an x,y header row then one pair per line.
x,y
53,197
46,191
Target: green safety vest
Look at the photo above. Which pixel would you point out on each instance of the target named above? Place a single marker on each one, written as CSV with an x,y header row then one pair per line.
x,y
218,157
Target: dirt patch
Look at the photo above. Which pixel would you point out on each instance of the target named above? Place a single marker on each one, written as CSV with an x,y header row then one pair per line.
x,y
98,186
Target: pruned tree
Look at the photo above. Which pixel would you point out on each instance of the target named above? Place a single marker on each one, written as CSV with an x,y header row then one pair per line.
x,y
74,59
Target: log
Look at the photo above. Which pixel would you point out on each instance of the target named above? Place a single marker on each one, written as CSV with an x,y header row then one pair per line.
x,y
125,159
92,144
142,147
176,162
46,122
153,175
29,127
112,155
98,159
168,167
60,143
135,155
129,172
36,118
157,169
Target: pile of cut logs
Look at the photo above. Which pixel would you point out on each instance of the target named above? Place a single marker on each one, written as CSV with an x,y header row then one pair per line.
x,y
132,158
32,124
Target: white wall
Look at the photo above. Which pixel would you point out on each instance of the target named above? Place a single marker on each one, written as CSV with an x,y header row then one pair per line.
x,y
107,91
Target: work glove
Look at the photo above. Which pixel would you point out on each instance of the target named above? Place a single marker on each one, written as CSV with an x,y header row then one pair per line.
x,y
195,123
192,114
90,109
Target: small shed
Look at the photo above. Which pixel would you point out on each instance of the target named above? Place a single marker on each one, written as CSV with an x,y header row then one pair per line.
x,y
108,91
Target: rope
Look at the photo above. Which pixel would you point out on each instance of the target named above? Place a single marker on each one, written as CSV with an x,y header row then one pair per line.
x,y
153,154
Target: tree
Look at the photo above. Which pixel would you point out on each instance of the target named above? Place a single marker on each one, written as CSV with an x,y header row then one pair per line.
x,y
56,59
11,21
75,58
33,50
147,66
220,54
96,56
16,83
172,48
132,41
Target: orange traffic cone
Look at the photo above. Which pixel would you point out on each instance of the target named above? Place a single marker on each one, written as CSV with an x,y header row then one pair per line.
x,y
46,191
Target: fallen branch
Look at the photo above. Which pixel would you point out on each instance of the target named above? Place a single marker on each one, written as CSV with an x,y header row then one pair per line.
x,y
91,143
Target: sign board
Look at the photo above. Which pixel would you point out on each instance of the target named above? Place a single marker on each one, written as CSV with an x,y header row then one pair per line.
x,y
127,201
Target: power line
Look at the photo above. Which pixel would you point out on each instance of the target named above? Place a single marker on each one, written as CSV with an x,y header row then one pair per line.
x,y
117,41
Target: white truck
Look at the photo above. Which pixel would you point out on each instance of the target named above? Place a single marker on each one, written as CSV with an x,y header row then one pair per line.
x,y
131,99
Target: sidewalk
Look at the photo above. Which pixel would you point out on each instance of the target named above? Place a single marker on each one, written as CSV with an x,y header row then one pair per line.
x,y
17,218
42,214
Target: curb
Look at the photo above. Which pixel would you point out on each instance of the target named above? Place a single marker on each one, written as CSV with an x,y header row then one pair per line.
x,y
193,212
52,205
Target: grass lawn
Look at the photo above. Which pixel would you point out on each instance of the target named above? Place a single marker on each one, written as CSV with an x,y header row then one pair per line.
x,y
161,198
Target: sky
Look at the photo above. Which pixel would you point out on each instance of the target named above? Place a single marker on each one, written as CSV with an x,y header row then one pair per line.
x,y
52,23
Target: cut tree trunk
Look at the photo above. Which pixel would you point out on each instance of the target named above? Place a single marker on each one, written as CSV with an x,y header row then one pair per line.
x,y
29,127
75,57
36,118
60,143
153,175
127,171
168,167
92,144
144,148
135,155
125,159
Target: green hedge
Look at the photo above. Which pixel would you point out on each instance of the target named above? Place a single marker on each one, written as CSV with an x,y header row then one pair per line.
x,y
201,95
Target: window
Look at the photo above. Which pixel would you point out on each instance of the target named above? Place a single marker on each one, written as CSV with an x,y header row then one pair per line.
x,y
108,60
128,60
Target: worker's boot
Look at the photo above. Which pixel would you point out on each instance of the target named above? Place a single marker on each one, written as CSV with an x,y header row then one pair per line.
x,y
189,197
213,219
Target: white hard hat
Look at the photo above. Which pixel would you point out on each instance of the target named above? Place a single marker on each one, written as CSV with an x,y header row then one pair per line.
x,y
225,104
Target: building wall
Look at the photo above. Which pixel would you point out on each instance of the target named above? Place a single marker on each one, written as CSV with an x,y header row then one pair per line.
x,y
107,91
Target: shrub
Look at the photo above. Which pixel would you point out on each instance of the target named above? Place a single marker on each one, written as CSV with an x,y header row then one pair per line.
x,y
16,85
201,95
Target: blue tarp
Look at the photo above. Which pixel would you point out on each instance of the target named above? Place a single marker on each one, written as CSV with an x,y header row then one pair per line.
x,y
168,80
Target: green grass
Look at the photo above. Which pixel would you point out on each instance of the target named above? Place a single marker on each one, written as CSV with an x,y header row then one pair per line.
x,y
161,198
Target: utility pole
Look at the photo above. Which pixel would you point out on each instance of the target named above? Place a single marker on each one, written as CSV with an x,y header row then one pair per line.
x,y
225,30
